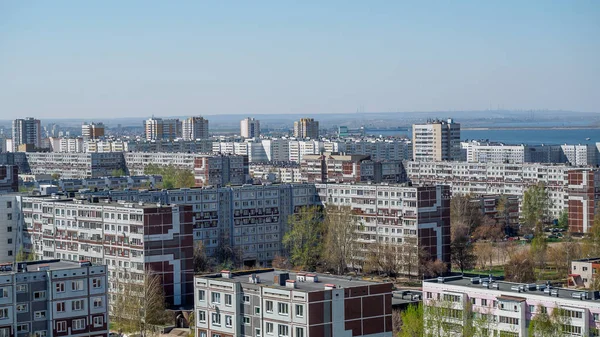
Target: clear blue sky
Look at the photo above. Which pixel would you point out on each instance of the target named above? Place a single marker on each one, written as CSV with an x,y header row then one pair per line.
x,y
138,58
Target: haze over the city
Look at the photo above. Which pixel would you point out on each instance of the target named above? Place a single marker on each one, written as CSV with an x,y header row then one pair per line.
x,y
73,59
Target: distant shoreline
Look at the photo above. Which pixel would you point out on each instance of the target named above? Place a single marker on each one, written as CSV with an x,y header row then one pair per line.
x,y
531,128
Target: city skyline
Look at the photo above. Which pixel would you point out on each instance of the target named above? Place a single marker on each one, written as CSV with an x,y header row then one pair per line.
x,y
199,59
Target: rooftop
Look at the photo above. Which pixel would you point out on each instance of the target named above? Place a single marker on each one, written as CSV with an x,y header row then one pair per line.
x,y
35,265
267,278
518,290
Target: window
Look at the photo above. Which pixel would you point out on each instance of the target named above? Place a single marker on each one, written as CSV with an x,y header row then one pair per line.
x,y
40,333
21,288
246,320
40,314
216,297
3,313
9,216
282,308
257,333
596,317
98,302
60,287
299,332
77,285
483,301
77,305
5,332
23,328
201,295
61,326
39,295
473,301
270,328
60,306
9,204
98,321
283,330
246,299
96,283
79,324
3,293
269,305
299,310
257,310
202,316
228,321
22,308
216,319
227,299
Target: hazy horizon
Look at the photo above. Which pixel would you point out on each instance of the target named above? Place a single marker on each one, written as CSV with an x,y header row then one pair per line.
x,y
136,59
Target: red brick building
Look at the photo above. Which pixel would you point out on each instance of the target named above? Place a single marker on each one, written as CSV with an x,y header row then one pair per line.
x,y
584,194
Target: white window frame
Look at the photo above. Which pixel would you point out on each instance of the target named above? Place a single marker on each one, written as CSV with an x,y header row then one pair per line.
x,y
61,326
40,315
98,321
77,322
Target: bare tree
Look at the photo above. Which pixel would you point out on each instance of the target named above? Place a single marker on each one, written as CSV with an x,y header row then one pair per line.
x,y
520,268
139,305
485,254
340,238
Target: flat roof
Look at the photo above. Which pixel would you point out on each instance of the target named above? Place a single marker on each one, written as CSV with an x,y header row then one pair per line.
x,y
510,289
51,264
267,279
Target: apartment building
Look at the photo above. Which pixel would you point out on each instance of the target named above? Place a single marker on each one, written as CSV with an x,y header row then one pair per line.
x,y
504,210
379,149
411,217
255,150
162,129
220,170
144,181
286,304
180,146
387,171
583,198
306,128
73,165
53,298
250,128
105,145
10,227
505,308
64,144
436,140
129,238
495,178
583,272
26,131
9,178
92,131
278,172
331,167
195,128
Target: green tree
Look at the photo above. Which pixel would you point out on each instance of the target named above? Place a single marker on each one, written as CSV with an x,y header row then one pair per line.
x,y
544,325
55,176
563,219
303,238
173,177
340,237
118,173
23,256
465,215
591,240
412,321
535,208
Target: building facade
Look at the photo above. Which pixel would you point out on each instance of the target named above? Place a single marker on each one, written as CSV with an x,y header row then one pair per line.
x,y
306,128
162,129
437,140
73,165
250,128
92,131
268,302
416,219
26,131
495,178
9,178
195,128
53,298
505,308
129,238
